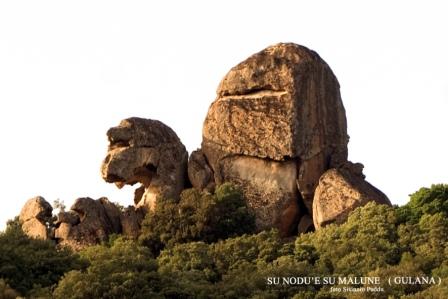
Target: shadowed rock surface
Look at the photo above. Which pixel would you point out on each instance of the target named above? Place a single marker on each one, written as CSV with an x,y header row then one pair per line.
x,y
148,152
199,172
131,220
97,220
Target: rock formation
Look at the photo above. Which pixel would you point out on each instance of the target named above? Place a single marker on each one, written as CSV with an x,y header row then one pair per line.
x,y
339,192
148,152
88,222
276,126
131,219
35,217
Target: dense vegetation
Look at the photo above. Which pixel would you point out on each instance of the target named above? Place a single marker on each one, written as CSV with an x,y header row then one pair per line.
x,y
30,265
194,249
197,216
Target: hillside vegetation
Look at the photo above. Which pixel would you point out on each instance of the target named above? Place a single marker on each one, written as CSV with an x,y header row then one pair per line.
x,y
204,247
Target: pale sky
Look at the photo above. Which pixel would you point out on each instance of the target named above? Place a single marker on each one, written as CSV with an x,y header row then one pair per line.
x,y
69,70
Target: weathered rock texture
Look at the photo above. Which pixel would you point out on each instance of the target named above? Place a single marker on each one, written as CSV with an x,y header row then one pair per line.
x,y
278,116
339,192
277,125
35,218
148,152
88,222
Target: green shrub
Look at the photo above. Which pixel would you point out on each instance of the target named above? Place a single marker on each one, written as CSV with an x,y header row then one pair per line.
x,y
197,217
123,270
366,241
27,263
425,201
203,254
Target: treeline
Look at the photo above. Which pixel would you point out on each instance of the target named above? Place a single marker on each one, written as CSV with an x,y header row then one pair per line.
x,y
204,247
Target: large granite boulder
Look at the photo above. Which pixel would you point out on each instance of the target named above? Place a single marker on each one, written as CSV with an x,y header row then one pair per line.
x,y
148,152
35,218
339,192
278,121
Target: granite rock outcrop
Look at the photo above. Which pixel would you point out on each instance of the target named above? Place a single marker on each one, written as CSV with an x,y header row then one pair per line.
x,y
148,152
277,128
277,124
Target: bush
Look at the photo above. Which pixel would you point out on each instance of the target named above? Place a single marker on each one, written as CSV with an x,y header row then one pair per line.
x,y
27,263
123,270
232,268
425,201
366,241
197,217
202,255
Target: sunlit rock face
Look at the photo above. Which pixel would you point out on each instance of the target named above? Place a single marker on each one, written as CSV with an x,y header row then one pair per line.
x,y
277,124
148,152
339,192
35,218
88,222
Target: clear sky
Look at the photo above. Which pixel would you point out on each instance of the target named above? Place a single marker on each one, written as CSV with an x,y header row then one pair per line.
x,y
69,70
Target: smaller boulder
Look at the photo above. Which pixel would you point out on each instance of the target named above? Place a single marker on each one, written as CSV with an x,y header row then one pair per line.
x,y
67,217
63,231
199,172
89,222
35,229
113,214
131,220
340,191
35,216
36,207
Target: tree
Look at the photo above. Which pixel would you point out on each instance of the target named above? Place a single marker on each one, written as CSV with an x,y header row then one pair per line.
x,y
198,216
27,263
122,270
366,241
425,201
